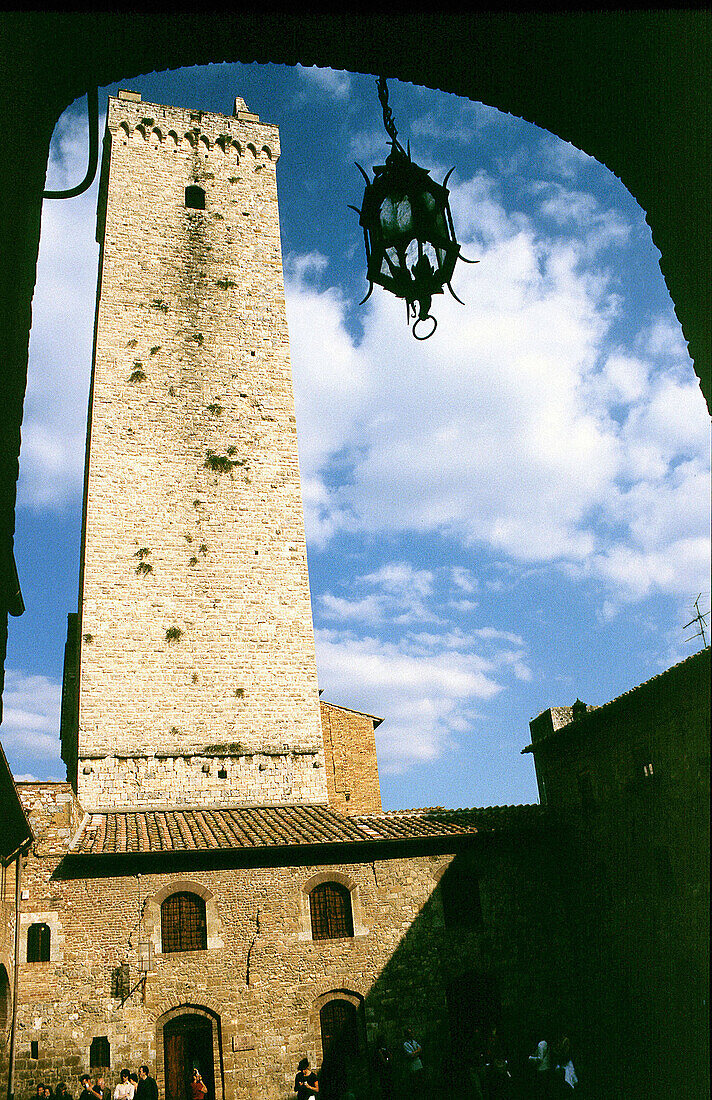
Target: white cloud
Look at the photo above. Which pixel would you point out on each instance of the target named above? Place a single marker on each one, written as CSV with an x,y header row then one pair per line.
x,y
517,426
54,427
30,725
400,594
424,699
335,83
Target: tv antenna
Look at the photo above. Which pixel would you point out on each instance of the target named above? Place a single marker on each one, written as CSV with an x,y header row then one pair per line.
x,y
699,619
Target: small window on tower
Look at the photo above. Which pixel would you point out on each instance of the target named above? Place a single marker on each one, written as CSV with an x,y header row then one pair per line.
x,y
194,197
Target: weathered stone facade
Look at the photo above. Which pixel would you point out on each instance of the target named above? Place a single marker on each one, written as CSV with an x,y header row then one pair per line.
x,y
195,644
263,978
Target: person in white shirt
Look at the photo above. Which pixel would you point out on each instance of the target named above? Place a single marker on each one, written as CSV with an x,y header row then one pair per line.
x,y
542,1063
412,1051
125,1089
565,1067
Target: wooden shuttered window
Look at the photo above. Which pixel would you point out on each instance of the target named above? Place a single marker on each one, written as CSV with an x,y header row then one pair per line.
x,y
331,916
38,943
100,1053
183,926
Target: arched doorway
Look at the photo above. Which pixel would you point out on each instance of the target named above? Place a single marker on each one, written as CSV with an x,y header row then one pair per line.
x,y
342,1048
188,1045
5,1001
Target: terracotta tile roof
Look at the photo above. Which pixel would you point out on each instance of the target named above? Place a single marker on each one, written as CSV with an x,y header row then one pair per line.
x,y
203,828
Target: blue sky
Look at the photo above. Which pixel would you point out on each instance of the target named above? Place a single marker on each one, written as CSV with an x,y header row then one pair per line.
x,y
507,516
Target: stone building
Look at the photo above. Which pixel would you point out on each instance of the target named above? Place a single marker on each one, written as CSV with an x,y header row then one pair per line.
x,y
216,884
629,783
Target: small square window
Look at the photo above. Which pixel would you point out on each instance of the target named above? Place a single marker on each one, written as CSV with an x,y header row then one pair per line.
x,y
194,198
34,1049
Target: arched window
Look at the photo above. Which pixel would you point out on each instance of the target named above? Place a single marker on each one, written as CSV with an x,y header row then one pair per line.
x,y
183,926
38,943
99,1053
194,197
331,915
339,1029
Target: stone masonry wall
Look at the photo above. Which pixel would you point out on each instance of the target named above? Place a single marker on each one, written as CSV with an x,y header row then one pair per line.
x,y
263,979
196,632
351,764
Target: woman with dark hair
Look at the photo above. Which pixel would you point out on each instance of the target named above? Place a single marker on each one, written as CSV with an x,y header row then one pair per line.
x,y
198,1088
61,1093
306,1084
125,1089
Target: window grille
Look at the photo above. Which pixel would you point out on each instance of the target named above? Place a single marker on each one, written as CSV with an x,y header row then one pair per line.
x,y
99,1053
38,943
183,926
331,916
195,197
339,1025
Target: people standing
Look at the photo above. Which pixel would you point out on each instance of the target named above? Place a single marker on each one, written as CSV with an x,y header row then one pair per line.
x,y
413,1050
125,1089
541,1062
99,1087
147,1087
87,1092
198,1089
564,1071
384,1068
306,1084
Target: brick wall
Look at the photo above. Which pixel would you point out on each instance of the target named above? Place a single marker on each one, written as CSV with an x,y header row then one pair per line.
x,y
350,756
263,979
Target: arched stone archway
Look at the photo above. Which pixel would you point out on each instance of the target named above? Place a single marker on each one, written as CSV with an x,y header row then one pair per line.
x,y
189,1037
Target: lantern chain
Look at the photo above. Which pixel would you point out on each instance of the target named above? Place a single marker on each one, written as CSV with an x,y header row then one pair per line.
x,y
388,114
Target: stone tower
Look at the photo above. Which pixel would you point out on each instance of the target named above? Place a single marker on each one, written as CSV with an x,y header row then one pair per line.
x,y
190,672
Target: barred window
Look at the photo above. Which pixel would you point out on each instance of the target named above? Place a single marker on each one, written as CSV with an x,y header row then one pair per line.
x,y
38,943
331,916
99,1053
339,1028
183,926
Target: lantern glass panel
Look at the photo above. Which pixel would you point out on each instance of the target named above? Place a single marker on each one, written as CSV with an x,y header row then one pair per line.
x,y
396,216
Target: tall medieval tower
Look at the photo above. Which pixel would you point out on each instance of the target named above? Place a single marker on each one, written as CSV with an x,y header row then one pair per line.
x,y
190,666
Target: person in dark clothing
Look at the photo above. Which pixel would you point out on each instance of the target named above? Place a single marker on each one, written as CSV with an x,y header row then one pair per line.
x,y
147,1088
60,1093
306,1084
100,1089
384,1068
87,1092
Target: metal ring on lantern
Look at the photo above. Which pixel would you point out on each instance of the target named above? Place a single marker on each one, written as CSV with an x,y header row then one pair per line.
x,y
428,334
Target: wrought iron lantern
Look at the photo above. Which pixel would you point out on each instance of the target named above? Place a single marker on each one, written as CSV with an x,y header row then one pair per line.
x,y
411,248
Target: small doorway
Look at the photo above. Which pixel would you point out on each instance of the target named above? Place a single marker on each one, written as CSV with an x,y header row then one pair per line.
x,y
341,1069
188,1045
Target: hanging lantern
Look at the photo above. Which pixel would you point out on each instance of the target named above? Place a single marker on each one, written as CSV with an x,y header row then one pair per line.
x,y
411,248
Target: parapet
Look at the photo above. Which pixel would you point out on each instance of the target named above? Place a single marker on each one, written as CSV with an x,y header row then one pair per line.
x,y
202,133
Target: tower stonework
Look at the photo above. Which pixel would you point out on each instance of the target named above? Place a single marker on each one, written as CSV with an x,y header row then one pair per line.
x,y
197,676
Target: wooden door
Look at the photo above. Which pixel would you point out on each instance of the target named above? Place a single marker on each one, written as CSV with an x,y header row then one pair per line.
x,y
174,1050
